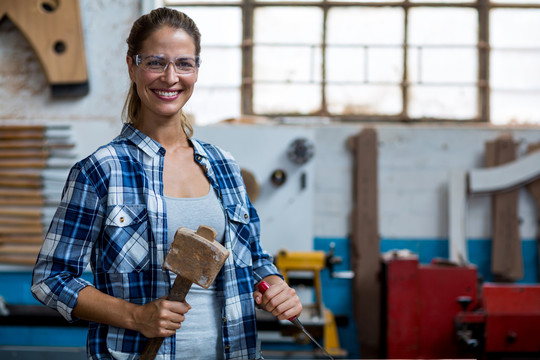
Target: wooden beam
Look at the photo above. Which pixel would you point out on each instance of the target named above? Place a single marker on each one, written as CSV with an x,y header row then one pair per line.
x,y
506,255
365,247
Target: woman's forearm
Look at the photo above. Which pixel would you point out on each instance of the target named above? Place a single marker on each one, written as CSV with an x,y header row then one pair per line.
x,y
93,305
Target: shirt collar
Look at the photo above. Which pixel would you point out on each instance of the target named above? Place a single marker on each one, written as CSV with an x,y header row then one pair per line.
x,y
198,148
143,141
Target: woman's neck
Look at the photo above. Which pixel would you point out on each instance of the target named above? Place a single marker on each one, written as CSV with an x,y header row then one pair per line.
x,y
169,134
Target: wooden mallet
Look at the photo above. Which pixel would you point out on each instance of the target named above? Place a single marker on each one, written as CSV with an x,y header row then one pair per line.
x,y
195,258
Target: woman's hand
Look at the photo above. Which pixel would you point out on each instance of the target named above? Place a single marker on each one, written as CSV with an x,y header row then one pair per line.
x,y
280,299
160,318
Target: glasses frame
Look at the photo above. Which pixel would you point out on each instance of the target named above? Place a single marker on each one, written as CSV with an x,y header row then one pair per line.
x,y
139,57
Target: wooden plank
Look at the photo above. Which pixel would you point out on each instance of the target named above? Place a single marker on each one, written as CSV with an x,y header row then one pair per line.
x,y
21,183
12,128
506,256
18,260
23,154
21,135
23,164
25,193
22,230
21,239
20,221
8,212
22,201
19,249
365,249
35,144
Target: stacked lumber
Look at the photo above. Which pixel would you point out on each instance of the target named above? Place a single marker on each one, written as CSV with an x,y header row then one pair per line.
x,y
26,152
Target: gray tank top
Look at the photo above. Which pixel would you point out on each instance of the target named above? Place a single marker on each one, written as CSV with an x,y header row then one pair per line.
x,y
200,336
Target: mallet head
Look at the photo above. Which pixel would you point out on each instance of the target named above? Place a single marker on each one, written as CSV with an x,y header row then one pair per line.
x,y
196,256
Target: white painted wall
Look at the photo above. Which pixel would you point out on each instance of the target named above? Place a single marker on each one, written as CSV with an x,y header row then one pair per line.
x,y
414,165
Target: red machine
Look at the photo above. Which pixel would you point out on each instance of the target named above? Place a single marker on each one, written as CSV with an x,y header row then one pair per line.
x,y
438,311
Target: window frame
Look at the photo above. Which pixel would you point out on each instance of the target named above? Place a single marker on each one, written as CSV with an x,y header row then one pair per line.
x,y
248,7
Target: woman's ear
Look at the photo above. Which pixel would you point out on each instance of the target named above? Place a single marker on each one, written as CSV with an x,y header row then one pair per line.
x,y
131,67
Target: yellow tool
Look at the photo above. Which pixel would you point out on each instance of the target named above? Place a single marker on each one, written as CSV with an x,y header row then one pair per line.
x,y
263,286
314,261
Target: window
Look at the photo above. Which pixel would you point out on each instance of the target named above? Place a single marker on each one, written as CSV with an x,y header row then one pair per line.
x,y
371,60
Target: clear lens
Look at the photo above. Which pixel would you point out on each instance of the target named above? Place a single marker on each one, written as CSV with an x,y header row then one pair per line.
x,y
157,64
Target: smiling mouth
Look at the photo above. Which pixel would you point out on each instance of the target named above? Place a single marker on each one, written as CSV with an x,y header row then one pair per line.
x,y
167,93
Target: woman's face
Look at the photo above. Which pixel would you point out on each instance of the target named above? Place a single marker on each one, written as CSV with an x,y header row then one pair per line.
x,y
164,94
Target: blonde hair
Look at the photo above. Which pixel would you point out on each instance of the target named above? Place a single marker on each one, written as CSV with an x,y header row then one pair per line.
x,y
142,28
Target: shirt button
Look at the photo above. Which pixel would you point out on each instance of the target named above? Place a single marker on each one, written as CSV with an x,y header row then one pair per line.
x,y
122,219
199,158
246,216
227,347
224,319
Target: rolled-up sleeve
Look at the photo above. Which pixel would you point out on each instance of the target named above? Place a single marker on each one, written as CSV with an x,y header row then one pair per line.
x,y
263,262
68,244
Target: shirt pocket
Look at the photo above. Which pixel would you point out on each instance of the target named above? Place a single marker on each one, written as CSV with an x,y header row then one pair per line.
x,y
239,220
125,240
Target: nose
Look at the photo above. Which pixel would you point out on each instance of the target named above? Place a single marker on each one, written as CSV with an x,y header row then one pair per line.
x,y
169,74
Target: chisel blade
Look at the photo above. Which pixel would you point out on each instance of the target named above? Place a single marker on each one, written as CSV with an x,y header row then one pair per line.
x,y
263,286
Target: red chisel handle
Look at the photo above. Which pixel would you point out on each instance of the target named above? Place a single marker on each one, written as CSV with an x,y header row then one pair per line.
x,y
263,286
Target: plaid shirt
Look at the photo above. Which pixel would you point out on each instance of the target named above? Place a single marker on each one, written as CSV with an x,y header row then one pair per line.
x,y
112,216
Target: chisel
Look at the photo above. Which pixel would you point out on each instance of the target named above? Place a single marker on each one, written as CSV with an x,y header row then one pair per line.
x,y
263,286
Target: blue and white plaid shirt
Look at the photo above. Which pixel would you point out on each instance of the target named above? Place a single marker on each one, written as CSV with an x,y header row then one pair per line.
x,y
112,216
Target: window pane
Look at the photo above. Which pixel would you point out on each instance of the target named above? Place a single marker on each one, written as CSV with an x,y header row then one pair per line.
x,y
346,64
288,53
370,1
182,2
287,1
443,1
364,50
385,64
456,102
221,26
211,105
514,28
280,25
286,98
365,26
217,92
438,26
287,64
359,64
516,1
443,65
364,100
515,107
514,70
220,67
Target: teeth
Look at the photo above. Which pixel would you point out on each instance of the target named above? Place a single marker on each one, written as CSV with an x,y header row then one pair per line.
x,y
166,93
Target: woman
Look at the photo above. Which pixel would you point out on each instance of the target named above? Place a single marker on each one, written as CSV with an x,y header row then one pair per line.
x,y
121,206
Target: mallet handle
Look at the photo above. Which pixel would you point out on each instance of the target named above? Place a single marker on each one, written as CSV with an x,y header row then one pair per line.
x,y
178,292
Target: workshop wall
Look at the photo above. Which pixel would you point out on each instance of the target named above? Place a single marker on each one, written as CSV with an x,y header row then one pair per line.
x,y
25,95
414,166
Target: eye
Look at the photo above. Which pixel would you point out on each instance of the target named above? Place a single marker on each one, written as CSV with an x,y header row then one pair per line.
x,y
153,62
185,63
